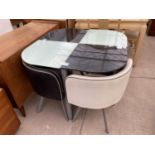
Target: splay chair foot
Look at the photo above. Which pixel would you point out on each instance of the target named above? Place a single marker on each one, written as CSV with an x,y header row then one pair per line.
x,y
77,111
40,105
105,122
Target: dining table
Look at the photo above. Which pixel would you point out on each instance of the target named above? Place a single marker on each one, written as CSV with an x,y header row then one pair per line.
x,y
103,52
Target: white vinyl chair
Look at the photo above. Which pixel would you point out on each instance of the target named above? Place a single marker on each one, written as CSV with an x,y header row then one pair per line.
x,y
5,26
97,92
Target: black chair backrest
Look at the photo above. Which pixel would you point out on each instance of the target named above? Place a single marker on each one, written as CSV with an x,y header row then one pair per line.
x,y
45,83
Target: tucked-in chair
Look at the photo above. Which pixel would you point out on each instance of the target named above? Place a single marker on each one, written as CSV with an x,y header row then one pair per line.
x,y
47,84
97,92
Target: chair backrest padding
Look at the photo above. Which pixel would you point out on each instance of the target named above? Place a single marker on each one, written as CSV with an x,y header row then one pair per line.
x,y
97,92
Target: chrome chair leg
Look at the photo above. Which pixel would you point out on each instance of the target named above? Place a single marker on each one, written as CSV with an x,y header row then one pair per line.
x,y
77,111
83,120
68,106
63,102
64,109
105,122
69,110
40,105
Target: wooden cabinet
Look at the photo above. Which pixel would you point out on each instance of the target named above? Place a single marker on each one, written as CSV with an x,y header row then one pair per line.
x,y
12,75
151,27
9,123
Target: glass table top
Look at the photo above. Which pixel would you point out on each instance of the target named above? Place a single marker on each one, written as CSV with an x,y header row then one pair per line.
x,y
105,37
48,53
91,51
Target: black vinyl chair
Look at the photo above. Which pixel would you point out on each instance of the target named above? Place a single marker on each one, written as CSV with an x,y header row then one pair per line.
x,y
48,84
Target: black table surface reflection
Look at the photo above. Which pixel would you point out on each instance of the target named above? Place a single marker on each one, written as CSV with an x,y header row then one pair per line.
x,y
91,58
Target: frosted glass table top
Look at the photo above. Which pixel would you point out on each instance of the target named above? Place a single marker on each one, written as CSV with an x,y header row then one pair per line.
x,y
48,53
97,51
105,37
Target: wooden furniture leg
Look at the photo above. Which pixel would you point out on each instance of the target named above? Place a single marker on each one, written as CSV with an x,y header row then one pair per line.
x,y
9,122
22,110
139,43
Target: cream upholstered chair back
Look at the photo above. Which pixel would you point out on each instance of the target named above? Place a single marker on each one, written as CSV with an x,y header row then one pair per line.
x,y
5,26
97,92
